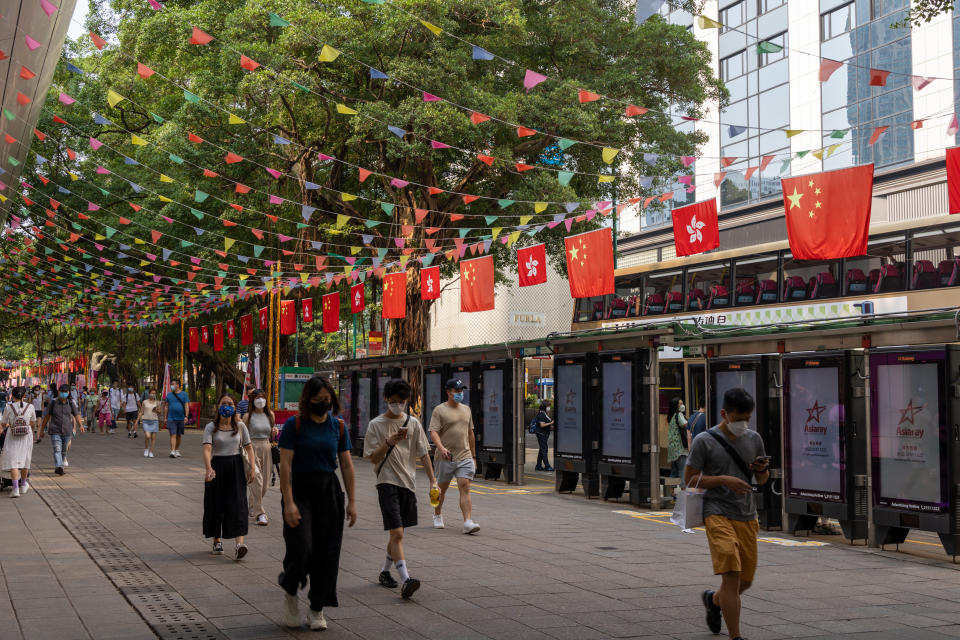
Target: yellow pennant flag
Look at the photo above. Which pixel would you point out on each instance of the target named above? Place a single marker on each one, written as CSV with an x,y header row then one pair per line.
x,y
67,258
706,23
403,261
328,54
137,140
241,277
73,176
227,243
165,178
303,277
433,28
355,250
525,220
347,269
792,132
539,207
496,231
342,220
345,110
144,263
832,148
818,154
99,237
163,198
235,119
513,238
605,179
139,241
608,154
347,197
114,98
3,198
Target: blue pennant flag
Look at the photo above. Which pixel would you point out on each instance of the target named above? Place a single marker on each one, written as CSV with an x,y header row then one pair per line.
x,y
310,186
129,160
378,75
397,131
99,119
734,130
278,140
73,69
479,53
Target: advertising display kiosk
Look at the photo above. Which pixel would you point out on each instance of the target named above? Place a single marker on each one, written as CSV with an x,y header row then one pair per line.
x,y
914,407
576,434
384,376
759,376
824,430
345,392
433,393
495,444
365,404
625,427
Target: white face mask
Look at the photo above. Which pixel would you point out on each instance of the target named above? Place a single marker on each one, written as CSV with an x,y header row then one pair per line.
x,y
737,428
682,408
260,403
396,408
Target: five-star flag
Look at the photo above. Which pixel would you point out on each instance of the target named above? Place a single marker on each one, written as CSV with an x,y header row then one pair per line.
x,y
532,265
288,317
476,284
194,339
696,228
218,337
395,295
306,308
953,179
828,214
590,263
246,330
358,300
331,312
430,283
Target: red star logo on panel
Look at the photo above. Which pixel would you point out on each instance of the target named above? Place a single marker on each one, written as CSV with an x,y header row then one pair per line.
x,y
814,412
908,413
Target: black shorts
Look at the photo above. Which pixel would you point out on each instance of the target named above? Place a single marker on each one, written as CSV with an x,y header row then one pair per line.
x,y
131,416
398,506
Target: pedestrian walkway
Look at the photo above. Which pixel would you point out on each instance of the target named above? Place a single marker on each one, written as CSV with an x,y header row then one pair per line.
x,y
113,549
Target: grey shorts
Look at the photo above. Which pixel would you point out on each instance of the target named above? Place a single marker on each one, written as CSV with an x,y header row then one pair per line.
x,y
447,470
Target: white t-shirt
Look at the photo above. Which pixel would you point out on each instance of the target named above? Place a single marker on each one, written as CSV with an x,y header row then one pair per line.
x,y
24,409
400,469
131,400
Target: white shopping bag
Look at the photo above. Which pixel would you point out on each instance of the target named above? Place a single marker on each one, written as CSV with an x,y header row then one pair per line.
x,y
688,512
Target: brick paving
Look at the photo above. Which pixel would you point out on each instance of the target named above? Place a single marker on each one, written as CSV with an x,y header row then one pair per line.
x,y
114,550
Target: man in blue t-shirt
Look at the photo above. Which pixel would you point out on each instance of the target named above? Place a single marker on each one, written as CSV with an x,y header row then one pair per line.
x,y
174,412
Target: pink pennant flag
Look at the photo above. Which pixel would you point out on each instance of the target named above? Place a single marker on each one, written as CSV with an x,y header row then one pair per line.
x,y
95,144
274,172
92,207
65,99
167,220
429,97
953,127
48,7
827,67
568,223
688,160
102,171
195,260
98,246
532,79
686,180
398,183
284,238
919,82
276,199
31,43
324,157
156,279
438,145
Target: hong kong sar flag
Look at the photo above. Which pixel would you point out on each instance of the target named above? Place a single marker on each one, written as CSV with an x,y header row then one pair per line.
x,y
194,340
358,300
231,329
306,306
590,263
430,283
695,228
828,214
532,265
264,317
246,329
331,312
204,334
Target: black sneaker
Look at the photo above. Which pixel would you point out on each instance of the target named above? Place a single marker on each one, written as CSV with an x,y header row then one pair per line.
x,y
58,471
387,580
714,614
410,586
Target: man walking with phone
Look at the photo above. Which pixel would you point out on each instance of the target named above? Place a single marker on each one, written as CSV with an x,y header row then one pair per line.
x,y
451,429
729,461
394,442
174,413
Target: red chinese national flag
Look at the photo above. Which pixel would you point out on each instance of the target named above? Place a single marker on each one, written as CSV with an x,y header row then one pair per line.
x,y
264,315
695,228
953,179
331,312
231,329
590,263
246,330
194,340
204,334
288,317
476,284
358,298
828,214
218,337
430,283
395,295
306,307
532,265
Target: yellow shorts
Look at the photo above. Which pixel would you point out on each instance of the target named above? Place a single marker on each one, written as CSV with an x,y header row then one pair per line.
x,y
733,545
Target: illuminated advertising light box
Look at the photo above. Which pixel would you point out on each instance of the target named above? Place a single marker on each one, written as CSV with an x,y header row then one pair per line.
x,y
433,394
617,411
345,394
493,410
364,389
733,377
568,408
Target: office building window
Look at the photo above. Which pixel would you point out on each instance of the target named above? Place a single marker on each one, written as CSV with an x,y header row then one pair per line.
x,y
837,22
769,5
733,66
769,58
733,16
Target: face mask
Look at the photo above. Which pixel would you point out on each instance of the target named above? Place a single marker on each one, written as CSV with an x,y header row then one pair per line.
x,y
64,394
319,408
396,408
227,410
153,396
130,389
458,396
737,428
682,408
260,403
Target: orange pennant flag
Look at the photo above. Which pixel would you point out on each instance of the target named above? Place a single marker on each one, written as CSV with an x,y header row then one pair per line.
x,y
248,63
488,160
199,37
523,132
587,96
144,71
635,111
476,117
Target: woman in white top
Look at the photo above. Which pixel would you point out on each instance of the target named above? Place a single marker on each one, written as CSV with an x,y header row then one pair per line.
x,y
150,422
18,421
263,431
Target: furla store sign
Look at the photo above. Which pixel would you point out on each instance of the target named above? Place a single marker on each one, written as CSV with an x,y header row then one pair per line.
x,y
528,319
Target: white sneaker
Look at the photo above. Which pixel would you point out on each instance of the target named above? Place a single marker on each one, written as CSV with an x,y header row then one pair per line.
x,y
291,611
437,522
24,487
469,526
151,455
262,519
15,493
316,621
173,454
146,453
177,453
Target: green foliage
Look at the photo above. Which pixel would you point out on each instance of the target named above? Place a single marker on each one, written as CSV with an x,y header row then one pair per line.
x,y
923,11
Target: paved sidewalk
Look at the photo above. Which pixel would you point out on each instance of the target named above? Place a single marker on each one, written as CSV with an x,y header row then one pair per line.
x,y
543,566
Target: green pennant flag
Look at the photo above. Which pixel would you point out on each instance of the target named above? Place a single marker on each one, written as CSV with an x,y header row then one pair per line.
x,y
371,223
103,191
197,214
47,251
76,226
464,231
374,1
13,161
490,219
277,21
109,231
838,134
9,114
800,154
785,165
185,243
190,97
565,143
257,250
768,47
156,118
381,253
301,225
387,208
200,196
504,203
175,158
564,177
300,86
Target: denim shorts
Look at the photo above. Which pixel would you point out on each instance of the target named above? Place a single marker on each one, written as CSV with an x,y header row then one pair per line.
x,y
151,426
175,427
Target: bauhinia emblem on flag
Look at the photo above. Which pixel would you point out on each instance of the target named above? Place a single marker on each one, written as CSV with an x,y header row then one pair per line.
x,y
476,284
246,330
331,312
395,295
306,307
696,228
358,300
953,179
264,317
288,317
532,265
828,214
204,334
231,329
218,337
430,283
590,263
194,340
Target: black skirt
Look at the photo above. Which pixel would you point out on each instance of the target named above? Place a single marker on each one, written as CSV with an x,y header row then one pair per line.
x,y
225,499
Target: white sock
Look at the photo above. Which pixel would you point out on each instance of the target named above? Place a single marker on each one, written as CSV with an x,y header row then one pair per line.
x,y
388,563
402,569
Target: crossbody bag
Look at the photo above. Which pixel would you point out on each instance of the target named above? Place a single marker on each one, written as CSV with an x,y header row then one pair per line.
x,y
743,466
392,446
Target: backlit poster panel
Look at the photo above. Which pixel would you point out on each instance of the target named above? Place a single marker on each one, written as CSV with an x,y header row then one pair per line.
x,y
907,435
346,398
568,409
432,390
382,379
493,409
727,380
363,404
617,410
815,454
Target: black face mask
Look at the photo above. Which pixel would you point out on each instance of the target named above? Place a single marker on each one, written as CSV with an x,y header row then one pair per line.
x,y
319,408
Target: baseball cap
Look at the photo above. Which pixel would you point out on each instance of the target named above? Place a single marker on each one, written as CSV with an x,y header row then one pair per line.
x,y
455,383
